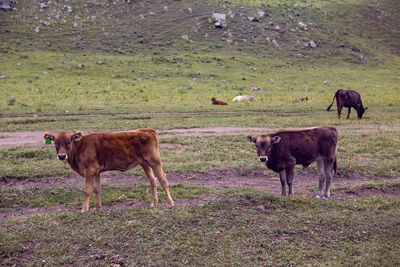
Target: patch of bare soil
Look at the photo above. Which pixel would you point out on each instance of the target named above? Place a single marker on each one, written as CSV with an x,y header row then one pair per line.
x,y
306,181
393,191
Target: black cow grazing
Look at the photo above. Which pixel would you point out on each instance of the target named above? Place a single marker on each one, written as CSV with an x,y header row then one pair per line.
x,y
281,151
348,99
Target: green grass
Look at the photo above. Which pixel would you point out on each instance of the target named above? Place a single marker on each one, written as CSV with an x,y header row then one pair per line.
x,y
248,228
31,164
371,154
372,120
124,84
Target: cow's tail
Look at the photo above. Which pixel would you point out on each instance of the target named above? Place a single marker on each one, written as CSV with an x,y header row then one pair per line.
x,y
333,100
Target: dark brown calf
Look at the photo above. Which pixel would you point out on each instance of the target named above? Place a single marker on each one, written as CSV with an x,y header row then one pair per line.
x,y
348,99
215,101
94,153
281,151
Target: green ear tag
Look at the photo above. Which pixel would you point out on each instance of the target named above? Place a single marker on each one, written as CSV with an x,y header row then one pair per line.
x,y
48,142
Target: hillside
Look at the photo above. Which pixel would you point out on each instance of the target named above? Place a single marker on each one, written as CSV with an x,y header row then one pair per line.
x,y
332,31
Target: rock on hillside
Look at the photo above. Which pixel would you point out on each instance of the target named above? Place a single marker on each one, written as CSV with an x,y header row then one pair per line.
x,y
299,31
7,5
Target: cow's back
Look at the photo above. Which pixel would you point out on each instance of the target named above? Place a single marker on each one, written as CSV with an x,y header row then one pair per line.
x,y
305,145
349,98
116,150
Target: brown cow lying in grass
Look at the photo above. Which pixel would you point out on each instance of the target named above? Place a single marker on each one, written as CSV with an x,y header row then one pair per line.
x,y
281,151
215,101
94,153
301,99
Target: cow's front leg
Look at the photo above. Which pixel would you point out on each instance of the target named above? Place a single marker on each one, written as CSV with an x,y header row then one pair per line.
x,y
290,178
282,176
88,191
348,113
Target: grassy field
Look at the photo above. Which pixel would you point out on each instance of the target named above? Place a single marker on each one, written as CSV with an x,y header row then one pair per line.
x,y
113,65
137,84
248,227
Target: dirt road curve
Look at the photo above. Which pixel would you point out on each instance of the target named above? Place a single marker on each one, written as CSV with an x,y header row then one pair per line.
x,y
35,139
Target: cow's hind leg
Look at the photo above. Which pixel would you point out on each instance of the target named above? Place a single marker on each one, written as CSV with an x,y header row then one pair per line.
x,y
282,176
321,170
290,178
328,164
96,189
159,173
348,113
153,184
339,107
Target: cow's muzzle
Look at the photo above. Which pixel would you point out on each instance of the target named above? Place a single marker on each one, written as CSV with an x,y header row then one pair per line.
x,y
263,158
62,156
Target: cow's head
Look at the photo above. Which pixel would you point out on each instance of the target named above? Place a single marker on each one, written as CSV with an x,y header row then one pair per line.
x,y
360,110
264,145
62,141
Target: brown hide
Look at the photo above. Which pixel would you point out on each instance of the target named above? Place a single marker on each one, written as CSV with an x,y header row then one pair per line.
x,y
281,151
301,99
93,153
348,99
215,101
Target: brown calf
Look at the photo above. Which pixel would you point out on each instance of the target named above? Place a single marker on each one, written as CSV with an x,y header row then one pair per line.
x,y
348,99
301,99
94,153
215,101
281,151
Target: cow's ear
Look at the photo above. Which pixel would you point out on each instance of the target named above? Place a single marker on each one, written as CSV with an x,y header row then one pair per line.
x,y
365,108
48,136
275,140
76,136
251,139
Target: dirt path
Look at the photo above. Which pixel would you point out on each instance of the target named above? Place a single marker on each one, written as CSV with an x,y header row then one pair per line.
x,y
35,139
221,178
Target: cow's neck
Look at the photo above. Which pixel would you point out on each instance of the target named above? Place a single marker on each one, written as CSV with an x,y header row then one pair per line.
x,y
72,160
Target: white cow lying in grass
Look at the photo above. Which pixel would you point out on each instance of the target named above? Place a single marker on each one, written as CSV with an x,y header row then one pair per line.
x,y
242,98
